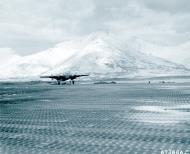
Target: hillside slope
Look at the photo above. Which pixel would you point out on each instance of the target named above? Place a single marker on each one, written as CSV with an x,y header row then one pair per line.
x,y
95,55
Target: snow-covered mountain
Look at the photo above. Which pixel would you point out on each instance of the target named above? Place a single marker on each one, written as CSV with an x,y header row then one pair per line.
x,y
177,53
98,55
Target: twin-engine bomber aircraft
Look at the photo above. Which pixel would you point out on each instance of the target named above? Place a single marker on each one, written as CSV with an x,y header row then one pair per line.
x,y
60,78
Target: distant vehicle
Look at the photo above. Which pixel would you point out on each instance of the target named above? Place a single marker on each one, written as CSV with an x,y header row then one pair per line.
x,y
60,78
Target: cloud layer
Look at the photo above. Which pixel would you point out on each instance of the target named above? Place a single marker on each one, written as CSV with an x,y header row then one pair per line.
x,y
29,26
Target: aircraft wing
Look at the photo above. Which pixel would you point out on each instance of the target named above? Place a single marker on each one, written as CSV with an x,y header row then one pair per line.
x,y
63,77
52,77
72,77
60,78
81,75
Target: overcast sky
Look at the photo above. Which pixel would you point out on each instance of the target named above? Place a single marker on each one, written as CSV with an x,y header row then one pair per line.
x,y
28,26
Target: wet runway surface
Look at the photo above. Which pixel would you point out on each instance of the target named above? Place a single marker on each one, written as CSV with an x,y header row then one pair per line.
x,y
130,118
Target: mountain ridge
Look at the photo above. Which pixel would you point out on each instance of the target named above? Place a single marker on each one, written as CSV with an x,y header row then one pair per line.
x,y
98,55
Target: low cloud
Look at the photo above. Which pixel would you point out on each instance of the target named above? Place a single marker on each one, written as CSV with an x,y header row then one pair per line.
x,y
29,26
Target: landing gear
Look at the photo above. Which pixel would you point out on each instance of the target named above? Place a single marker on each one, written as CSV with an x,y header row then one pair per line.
x,y
73,82
58,82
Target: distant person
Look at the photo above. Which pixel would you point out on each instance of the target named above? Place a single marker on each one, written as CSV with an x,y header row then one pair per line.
x,y
148,82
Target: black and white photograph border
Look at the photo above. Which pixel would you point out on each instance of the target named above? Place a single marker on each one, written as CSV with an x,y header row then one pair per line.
x,y
94,77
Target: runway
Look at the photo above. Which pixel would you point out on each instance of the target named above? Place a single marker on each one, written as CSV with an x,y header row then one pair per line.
x,y
128,118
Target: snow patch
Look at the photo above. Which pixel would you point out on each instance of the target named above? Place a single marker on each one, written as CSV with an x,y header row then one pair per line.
x,y
162,114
